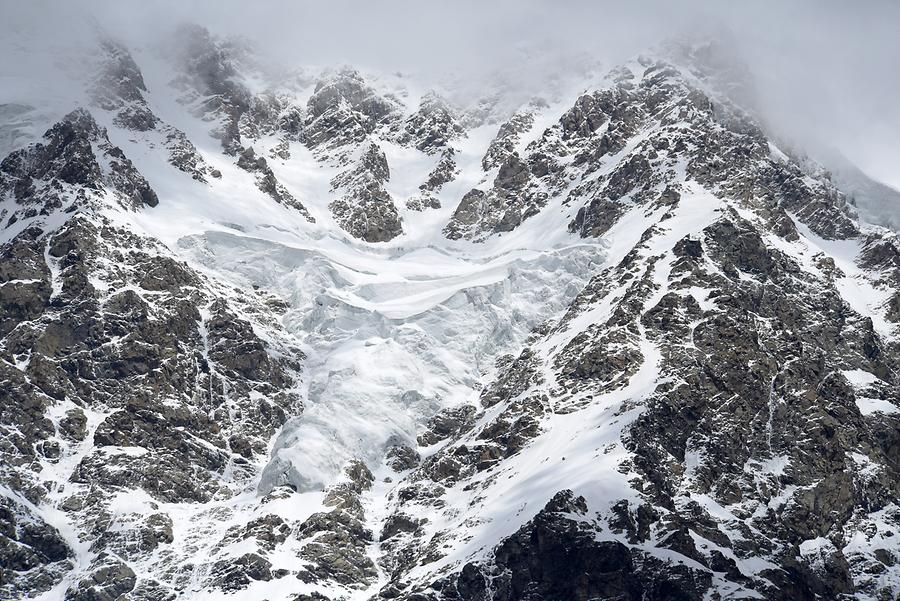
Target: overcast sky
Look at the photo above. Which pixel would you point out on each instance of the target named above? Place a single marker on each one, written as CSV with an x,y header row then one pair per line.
x,y
827,71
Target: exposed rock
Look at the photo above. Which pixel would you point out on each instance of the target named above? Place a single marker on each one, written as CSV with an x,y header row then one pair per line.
x,y
396,524
714,416
266,181
447,423
35,174
442,173
134,364
366,210
344,109
514,197
109,582
553,557
504,144
235,574
432,126
466,214
401,458
338,552
33,554
120,86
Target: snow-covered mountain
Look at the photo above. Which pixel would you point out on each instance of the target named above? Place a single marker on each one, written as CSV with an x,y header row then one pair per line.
x,y
330,334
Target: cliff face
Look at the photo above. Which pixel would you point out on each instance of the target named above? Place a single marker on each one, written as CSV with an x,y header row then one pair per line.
x,y
329,341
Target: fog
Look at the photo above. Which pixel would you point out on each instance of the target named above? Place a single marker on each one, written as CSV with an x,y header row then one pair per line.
x,y
825,72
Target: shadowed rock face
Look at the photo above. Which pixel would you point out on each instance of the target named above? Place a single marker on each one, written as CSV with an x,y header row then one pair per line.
x,y
212,83
29,545
553,558
120,87
211,64
506,139
67,155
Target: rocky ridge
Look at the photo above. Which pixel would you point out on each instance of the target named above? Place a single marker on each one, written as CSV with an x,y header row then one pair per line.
x,y
123,368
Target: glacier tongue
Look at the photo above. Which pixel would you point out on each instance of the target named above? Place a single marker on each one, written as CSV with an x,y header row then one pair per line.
x,y
391,338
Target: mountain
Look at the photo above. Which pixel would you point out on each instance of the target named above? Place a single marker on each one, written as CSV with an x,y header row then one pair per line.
x,y
334,334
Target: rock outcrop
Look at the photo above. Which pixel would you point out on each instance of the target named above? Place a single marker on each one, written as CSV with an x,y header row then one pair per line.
x,y
365,209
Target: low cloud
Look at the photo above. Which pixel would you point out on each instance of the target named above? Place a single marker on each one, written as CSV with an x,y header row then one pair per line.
x,y
824,71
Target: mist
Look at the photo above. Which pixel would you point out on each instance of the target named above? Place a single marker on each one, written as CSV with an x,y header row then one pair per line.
x,y
824,73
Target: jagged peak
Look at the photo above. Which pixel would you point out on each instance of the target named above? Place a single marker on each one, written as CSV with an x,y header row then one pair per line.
x,y
342,74
75,151
348,85
82,122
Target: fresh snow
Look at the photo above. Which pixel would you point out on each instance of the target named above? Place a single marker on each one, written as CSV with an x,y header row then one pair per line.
x,y
869,406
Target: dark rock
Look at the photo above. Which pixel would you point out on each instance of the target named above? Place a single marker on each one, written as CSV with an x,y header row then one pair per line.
x,y
401,458
447,423
396,524
344,109
551,558
366,210
107,583
237,574
432,126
